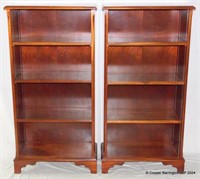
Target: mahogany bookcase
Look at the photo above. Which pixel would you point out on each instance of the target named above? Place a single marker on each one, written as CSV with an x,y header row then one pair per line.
x,y
146,67
53,81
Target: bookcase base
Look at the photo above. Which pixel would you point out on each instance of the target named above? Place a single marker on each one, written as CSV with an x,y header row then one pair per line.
x,y
91,164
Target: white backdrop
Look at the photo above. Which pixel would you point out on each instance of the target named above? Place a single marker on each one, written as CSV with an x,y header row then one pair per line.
x,y
192,127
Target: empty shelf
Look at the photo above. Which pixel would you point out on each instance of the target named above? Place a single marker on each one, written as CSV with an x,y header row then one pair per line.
x,y
141,116
54,77
55,115
57,151
126,41
52,40
143,78
134,152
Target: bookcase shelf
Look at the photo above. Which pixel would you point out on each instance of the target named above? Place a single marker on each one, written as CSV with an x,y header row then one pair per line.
x,y
58,144
51,40
56,152
130,152
53,84
145,41
146,64
54,77
144,79
142,116
53,64
55,114
129,141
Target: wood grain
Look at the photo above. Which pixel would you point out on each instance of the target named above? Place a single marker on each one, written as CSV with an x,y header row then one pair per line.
x,y
146,66
142,116
119,8
50,7
68,151
123,151
53,84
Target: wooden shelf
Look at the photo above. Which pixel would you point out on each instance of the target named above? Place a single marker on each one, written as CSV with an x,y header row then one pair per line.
x,y
62,29
54,77
54,120
146,41
55,115
149,121
147,27
140,152
57,151
147,99
49,40
142,116
144,79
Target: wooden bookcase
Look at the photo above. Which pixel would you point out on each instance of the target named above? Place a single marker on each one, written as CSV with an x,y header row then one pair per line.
x,y
53,80
146,66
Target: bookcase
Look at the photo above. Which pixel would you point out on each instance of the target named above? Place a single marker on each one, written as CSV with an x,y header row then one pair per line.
x,y
146,67
53,81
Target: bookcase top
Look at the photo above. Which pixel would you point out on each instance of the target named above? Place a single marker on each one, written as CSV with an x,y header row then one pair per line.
x,y
149,8
50,7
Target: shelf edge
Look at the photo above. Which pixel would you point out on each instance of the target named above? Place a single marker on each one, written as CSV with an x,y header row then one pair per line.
x,y
144,121
52,121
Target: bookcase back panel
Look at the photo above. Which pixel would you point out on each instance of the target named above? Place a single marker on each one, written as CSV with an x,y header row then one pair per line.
x,y
142,97
141,134
154,59
46,133
147,24
51,23
56,96
54,59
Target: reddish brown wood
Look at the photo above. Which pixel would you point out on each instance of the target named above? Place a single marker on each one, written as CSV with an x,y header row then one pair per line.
x,y
152,97
146,64
179,164
106,165
94,145
51,42
142,116
19,164
89,164
145,26
53,63
62,101
50,7
119,8
138,150
186,59
143,79
61,151
60,26
160,63
137,134
53,83
105,82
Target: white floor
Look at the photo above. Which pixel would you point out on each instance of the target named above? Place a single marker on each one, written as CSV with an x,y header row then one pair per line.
x,y
61,170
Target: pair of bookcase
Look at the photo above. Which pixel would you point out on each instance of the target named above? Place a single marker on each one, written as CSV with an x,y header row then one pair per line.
x,y
53,81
